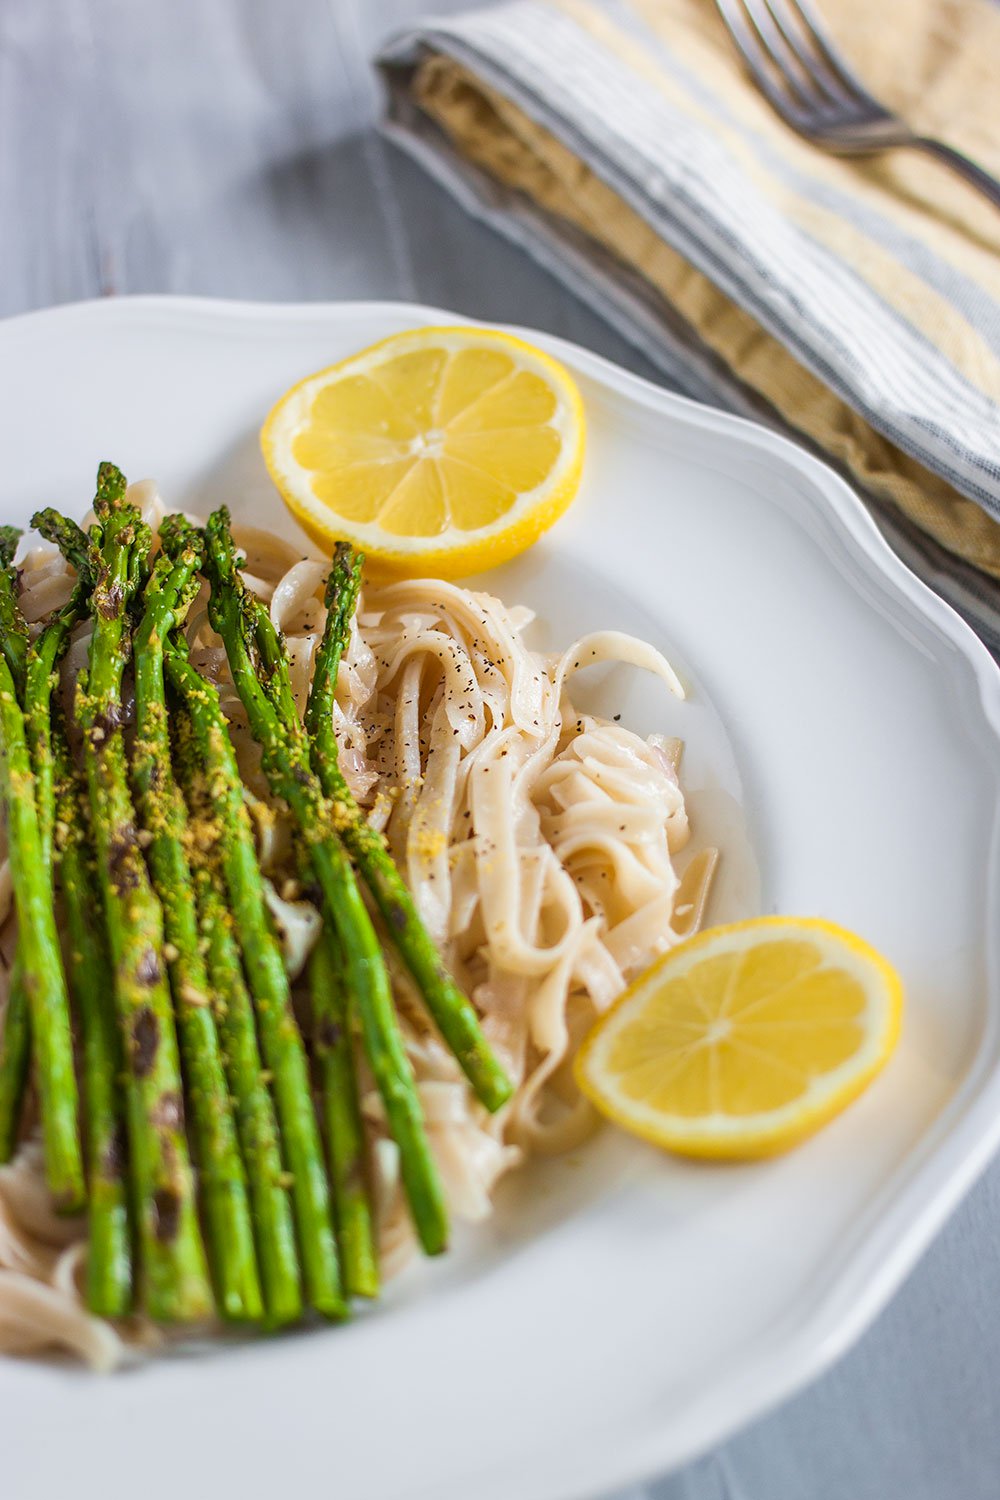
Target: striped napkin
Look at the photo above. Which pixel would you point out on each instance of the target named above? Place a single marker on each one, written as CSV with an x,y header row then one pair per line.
x,y
852,303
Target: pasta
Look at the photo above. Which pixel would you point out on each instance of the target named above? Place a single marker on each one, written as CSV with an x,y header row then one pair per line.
x,y
539,844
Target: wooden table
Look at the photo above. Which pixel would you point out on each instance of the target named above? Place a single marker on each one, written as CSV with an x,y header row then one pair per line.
x,y
227,148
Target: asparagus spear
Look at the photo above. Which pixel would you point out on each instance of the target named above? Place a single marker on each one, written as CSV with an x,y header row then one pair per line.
x,y
174,1279
222,1178
255,1117
454,1014
38,996
333,1033
43,660
280,1040
62,814
33,668
109,1252
15,1040
239,619
38,940
15,1056
42,663
13,631
34,665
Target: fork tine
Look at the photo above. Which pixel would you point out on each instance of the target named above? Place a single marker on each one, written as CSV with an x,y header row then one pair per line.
x,y
798,75
771,79
803,27
809,52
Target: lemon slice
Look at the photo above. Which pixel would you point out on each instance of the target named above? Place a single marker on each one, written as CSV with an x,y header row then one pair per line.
x,y
746,1039
441,450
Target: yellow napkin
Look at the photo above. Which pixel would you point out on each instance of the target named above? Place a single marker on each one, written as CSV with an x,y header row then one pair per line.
x,y
632,125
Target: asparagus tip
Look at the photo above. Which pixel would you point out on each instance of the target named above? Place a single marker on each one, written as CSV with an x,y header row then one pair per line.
x,y
345,572
179,535
9,538
111,487
70,538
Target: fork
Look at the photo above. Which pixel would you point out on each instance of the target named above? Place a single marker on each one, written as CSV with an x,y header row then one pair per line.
x,y
813,90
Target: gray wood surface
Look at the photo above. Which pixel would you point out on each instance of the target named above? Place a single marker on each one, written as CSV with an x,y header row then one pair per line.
x,y
226,147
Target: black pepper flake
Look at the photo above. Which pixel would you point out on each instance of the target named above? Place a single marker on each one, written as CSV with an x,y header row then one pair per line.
x,y
113,1160
145,1040
121,865
166,1215
329,1034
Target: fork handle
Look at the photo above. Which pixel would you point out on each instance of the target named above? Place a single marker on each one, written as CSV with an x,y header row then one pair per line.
x,y
987,185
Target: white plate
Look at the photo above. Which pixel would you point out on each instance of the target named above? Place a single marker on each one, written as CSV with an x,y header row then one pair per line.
x,y
625,1310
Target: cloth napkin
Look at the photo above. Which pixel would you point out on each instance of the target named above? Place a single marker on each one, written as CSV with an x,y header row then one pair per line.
x,y
853,303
